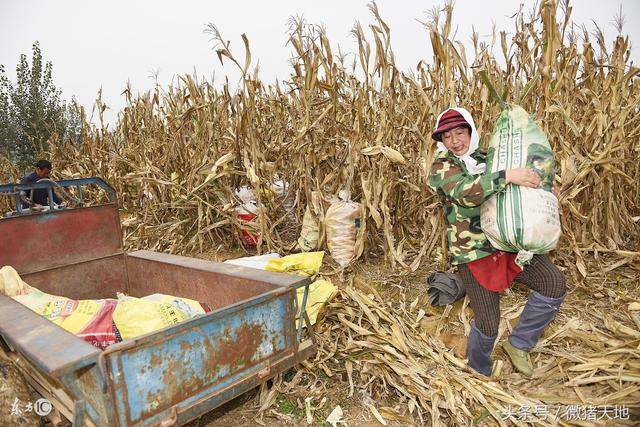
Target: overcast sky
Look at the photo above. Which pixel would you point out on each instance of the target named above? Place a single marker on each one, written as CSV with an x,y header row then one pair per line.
x,y
103,44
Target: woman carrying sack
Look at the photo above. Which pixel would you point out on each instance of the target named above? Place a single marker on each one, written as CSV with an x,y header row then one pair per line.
x,y
458,177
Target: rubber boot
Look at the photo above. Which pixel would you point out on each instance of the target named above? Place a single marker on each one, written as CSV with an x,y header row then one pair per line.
x,y
537,314
519,359
479,348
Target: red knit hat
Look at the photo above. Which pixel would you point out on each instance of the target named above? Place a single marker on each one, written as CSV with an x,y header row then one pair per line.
x,y
450,119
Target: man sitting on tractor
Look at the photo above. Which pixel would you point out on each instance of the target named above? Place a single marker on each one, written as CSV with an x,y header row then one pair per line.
x,y
40,196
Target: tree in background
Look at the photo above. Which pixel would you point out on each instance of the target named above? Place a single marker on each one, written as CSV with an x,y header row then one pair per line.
x,y
7,128
32,111
74,121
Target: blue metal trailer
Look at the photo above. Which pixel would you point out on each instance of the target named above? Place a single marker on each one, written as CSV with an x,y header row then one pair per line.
x,y
167,377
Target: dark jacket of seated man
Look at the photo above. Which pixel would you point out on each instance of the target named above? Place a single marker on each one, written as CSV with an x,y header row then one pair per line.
x,y
40,195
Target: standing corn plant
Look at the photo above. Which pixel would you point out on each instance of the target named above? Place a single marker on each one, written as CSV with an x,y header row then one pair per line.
x,y
176,155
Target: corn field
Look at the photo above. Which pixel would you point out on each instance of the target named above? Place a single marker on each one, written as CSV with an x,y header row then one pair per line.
x,y
177,154
358,125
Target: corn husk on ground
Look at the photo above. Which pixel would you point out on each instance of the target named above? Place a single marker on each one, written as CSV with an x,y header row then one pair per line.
x,y
357,123
408,362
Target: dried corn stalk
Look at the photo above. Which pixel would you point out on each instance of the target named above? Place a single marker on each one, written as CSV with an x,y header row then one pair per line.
x,y
177,154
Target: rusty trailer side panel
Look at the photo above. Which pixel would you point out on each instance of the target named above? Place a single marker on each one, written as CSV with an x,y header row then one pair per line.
x,y
43,241
217,284
173,371
107,277
55,250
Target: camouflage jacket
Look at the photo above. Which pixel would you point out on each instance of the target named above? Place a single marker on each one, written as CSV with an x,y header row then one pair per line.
x,y
462,194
